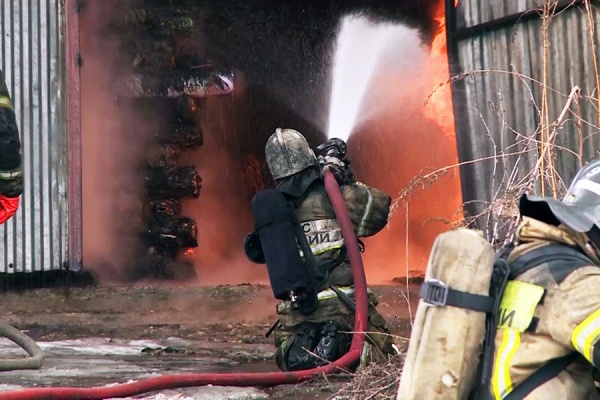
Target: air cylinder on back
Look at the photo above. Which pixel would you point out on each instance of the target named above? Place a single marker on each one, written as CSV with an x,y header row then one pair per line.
x,y
446,342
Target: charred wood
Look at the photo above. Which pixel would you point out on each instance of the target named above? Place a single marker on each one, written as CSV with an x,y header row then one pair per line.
x,y
166,77
163,155
183,109
157,20
173,234
173,182
155,54
159,210
169,141
182,136
191,61
191,82
163,110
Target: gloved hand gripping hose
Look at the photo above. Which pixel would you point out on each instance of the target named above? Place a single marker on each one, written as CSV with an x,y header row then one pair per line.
x,y
37,354
348,360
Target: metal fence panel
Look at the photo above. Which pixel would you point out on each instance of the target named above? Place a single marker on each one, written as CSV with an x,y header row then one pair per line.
x,y
32,58
477,12
502,91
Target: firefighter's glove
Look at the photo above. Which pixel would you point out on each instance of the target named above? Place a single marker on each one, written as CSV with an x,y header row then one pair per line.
x,y
11,183
342,172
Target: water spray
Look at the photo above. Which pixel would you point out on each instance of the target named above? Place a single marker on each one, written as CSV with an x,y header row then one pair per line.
x,y
363,48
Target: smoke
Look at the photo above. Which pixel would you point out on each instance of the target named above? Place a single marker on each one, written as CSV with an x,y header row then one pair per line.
x,y
398,139
111,153
222,211
395,141
287,46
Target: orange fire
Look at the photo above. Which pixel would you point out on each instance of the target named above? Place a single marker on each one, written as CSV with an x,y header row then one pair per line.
x,y
399,152
439,105
189,252
388,153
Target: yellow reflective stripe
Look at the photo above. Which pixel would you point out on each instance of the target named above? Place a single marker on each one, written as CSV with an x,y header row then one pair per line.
x,y
363,221
322,295
330,294
7,175
586,335
5,102
501,382
324,247
518,305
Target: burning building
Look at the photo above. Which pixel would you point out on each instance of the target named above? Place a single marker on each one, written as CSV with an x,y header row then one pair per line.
x,y
168,107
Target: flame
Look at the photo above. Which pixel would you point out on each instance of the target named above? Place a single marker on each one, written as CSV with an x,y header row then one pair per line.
x,y
439,106
388,152
399,140
189,252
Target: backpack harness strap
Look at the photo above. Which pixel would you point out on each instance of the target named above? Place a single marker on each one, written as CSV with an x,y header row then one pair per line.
x,y
437,293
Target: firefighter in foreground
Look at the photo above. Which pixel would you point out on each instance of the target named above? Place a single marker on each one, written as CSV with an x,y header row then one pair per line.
x,y
554,327
298,237
11,176
542,314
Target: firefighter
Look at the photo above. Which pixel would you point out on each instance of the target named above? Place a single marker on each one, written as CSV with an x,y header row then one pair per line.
x,y
549,324
298,173
11,176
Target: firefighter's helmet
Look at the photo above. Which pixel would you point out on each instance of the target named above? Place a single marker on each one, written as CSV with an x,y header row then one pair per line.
x,y
579,209
288,153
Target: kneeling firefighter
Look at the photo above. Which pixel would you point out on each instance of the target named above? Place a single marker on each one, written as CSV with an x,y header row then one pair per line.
x,y
543,312
298,237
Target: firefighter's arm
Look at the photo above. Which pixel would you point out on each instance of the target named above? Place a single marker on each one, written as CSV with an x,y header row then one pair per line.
x,y
574,313
11,176
369,208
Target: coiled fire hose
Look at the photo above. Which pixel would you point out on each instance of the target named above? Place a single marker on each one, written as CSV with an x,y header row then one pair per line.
x,y
29,345
267,379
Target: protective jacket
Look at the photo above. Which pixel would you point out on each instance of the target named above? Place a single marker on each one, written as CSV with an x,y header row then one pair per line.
x,y
11,179
556,313
368,209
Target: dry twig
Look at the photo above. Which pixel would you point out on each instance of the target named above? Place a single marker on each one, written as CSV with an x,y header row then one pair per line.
x,y
375,382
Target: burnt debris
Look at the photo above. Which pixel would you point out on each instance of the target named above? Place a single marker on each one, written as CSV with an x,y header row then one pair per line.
x,y
166,86
173,182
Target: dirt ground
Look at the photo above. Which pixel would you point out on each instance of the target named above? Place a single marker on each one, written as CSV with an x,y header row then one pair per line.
x,y
222,321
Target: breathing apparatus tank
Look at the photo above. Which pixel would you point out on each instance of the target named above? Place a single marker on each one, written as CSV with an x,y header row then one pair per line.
x,y
441,363
277,233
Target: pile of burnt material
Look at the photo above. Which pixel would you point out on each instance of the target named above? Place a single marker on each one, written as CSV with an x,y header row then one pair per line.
x,y
166,87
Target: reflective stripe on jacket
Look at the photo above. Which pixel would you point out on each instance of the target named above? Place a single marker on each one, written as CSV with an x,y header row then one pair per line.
x,y
565,300
368,209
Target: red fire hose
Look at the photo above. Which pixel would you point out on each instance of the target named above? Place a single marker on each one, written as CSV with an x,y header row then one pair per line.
x,y
240,379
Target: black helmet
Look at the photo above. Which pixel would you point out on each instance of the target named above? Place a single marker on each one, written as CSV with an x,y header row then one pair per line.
x,y
579,210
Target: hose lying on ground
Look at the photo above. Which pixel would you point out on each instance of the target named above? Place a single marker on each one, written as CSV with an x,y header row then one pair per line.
x,y
348,360
26,343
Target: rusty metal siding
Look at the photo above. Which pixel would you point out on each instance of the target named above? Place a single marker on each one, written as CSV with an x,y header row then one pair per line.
x,y
32,58
499,95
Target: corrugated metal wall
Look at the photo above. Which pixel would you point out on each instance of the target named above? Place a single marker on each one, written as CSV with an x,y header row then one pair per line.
x,y
32,58
476,12
498,98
